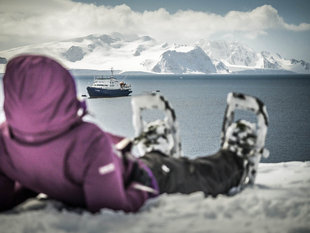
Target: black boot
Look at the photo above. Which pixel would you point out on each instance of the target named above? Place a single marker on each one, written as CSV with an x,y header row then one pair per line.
x,y
215,174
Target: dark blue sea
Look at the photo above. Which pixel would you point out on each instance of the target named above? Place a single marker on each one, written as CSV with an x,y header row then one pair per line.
x,y
199,102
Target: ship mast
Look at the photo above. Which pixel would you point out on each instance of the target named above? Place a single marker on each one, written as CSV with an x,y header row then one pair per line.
x,y
112,76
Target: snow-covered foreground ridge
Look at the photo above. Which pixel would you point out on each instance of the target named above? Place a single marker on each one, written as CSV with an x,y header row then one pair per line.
x,y
279,202
144,54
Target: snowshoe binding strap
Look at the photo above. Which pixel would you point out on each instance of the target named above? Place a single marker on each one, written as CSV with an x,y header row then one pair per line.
x,y
159,135
247,103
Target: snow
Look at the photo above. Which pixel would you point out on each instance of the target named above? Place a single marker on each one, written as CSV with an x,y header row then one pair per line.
x,y
144,54
278,202
233,53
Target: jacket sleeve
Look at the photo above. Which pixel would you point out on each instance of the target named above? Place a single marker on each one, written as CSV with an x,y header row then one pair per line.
x,y
6,184
104,182
12,193
6,192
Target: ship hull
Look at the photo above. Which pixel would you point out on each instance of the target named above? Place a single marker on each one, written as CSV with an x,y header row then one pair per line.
x,y
94,92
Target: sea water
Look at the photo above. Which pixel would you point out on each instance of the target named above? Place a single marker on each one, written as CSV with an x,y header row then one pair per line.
x,y
199,102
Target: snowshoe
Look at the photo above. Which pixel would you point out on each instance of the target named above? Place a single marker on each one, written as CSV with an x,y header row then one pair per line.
x,y
245,139
159,135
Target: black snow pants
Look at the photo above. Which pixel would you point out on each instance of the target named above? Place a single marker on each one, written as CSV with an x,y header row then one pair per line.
x,y
214,174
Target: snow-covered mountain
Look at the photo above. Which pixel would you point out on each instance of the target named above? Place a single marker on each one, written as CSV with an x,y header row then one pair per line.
x,y
240,58
144,54
232,53
3,60
193,61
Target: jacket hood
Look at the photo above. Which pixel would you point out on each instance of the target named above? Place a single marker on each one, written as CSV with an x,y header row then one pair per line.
x,y
39,98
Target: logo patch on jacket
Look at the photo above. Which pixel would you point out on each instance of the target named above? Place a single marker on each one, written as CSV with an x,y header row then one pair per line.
x,y
106,169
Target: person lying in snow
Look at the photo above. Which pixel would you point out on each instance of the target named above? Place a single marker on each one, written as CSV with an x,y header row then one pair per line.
x,y
46,147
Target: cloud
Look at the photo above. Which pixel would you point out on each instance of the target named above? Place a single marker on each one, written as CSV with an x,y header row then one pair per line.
x,y
30,21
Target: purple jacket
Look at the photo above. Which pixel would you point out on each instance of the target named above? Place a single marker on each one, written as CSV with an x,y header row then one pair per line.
x,y
46,146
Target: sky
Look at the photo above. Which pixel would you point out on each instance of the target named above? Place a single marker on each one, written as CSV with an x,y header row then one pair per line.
x,y
278,26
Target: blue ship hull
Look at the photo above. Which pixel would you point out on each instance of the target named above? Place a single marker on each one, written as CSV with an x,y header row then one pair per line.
x,y
94,92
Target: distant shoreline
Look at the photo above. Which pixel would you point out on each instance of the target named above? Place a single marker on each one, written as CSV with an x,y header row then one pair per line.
x,y
88,72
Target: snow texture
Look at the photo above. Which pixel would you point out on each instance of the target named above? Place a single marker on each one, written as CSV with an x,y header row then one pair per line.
x,y
278,202
233,53
144,54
